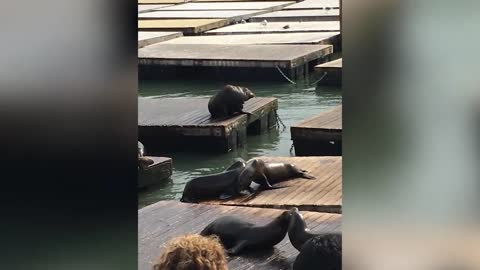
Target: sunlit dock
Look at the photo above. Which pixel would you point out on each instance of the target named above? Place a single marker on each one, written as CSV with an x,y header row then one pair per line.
x,y
160,170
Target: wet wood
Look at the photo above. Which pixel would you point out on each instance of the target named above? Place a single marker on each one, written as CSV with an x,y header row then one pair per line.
x,y
299,15
165,220
172,124
148,38
187,26
323,194
159,171
319,135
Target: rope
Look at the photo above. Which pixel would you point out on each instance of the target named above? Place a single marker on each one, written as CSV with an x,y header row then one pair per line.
x,y
285,76
321,78
279,121
291,150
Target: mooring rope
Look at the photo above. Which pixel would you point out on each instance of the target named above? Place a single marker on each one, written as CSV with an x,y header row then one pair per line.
x,y
285,76
321,78
279,121
291,150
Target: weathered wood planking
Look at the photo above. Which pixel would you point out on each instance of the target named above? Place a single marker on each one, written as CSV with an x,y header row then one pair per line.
x,y
144,2
230,15
315,4
299,15
145,8
152,2
319,135
160,170
187,26
332,71
323,194
264,56
170,124
165,220
281,38
267,6
148,38
277,27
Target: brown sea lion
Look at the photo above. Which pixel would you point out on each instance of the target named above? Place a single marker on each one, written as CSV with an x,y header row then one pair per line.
x,y
228,101
237,235
270,173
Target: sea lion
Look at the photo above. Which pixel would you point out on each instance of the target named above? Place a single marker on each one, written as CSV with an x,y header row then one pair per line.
x,y
317,251
237,235
144,162
238,162
228,101
269,173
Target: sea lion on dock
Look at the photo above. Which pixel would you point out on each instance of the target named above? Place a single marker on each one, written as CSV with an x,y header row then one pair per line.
x,y
228,101
144,162
317,251
270,173
237,235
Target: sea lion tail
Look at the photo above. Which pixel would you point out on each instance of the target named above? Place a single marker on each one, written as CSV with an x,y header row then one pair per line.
x,y
304,174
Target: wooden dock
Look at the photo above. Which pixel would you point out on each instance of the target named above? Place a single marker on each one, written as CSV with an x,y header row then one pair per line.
x,y
146,8
252,60
160,170
323,194
186,26
332,71
299,15
277,27
247,5
173,124
165,220
320,135
148,38
230,15
315,4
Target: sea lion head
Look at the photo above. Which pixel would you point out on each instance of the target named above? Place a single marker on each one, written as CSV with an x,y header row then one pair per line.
x,y
285,217
297,219
248,93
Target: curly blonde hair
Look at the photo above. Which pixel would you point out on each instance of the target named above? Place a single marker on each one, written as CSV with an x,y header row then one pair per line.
x,y
192,252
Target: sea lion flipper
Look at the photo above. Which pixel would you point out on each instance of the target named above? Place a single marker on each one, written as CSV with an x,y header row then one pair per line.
x,y
237,248
248,113
225,196
307,176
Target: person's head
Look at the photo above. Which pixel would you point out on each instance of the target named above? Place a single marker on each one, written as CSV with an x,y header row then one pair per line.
x,y
192,252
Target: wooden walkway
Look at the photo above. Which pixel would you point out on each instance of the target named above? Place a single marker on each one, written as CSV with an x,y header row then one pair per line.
x,y
277,27
319,135
230,15
299,15
146,8
315,4
160,170
333,72
148,38
172,124
162,221
250,5
187,26
322,194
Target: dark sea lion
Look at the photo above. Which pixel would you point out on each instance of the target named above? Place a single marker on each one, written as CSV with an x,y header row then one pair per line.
x,y
237,235
317,251
270,173
228,101
238,162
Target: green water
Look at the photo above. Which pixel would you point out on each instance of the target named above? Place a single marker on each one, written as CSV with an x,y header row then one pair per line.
x,y
295,103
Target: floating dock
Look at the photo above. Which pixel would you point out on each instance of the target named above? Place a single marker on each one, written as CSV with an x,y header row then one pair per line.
x,y
160,170
230,15
165,220
186,26
148,38
298,15
320,135
277,27
259,5
322,194
329,38
315,4
146,8
332,71
174,124
237,61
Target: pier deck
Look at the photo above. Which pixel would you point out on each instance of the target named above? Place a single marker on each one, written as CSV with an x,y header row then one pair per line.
x,y
277,27
329,38
299,15
230,15
262,5
319,135
187,26
162,221
160,170
148,38
315,4
323,194
333,70
171,124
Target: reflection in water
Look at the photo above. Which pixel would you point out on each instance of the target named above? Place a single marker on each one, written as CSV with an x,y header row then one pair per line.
x,y
296,103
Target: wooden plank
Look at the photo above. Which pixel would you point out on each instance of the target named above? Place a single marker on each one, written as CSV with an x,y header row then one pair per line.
x,y
187,26
231,15
148,38
299,15
265,5
319,135
145,8
160,170
248,39
278,27
263,56
315,4
165,220
331,66
152,2
320,194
